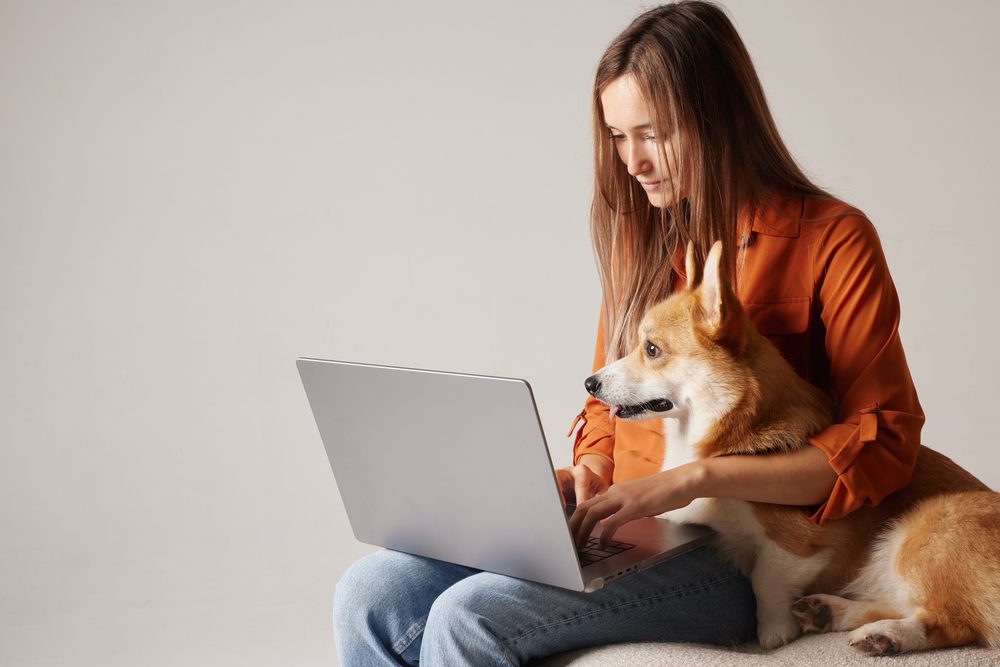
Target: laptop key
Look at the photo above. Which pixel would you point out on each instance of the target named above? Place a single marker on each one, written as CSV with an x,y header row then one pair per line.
x,y
599,553
593,553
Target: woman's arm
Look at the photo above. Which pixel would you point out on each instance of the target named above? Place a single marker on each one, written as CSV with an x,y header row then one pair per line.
x,y
805,477
596,438
593,450
873,444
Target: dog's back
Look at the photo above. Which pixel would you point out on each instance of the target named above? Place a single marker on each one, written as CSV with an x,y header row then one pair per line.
x,y
850,539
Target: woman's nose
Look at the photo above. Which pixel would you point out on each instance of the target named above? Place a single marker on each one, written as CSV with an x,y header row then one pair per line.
x,y
637,162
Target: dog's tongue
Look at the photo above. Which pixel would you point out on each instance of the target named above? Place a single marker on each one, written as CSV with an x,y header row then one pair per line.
x,y
614,411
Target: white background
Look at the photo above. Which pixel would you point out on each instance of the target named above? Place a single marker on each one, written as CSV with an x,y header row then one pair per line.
x,y
193,194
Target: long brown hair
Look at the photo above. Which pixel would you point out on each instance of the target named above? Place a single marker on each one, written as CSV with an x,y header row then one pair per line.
x,y
695,74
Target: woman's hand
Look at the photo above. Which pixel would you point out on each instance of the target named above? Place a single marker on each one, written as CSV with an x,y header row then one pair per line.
x,y
648,496
579,483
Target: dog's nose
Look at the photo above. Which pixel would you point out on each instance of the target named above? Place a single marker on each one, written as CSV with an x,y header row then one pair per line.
x,y
592,384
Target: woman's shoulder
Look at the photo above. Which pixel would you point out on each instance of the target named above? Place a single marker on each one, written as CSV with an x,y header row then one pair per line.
x,y
839,234
818,218
807,208
819,231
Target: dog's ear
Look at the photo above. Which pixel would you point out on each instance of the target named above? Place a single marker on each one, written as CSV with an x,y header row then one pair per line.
x,y
689,268
718,305
711,290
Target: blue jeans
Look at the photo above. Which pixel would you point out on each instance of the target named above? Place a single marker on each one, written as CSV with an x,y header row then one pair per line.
x,y
392,608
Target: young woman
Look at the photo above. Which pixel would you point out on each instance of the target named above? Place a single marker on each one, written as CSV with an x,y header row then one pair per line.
x,y
685,149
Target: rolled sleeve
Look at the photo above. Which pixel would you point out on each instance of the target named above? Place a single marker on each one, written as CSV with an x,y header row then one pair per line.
x,y
873,446
597,434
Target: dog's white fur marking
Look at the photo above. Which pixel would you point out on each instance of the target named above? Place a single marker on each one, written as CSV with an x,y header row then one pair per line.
x,y
680,433
907,634
879,580
778,579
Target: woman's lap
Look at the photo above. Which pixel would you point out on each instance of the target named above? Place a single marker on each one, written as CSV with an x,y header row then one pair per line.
x,y
438,611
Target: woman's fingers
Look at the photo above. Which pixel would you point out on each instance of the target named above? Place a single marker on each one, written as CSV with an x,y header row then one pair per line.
x,y
612,509
587,515
569,481
620,504
581,484
576,523
613,523
585,483
564,482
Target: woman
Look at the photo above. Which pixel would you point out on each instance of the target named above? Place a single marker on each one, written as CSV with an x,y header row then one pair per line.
x,y
685,149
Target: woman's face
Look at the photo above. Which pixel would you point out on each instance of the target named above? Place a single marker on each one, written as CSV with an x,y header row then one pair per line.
x,y
630,126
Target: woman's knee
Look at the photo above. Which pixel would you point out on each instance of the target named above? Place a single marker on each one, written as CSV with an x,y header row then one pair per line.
x,y
455,606
481,613
370,584
465,626
390,593
491,619
374,619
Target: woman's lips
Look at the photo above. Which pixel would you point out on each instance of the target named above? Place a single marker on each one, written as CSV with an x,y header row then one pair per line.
x,y
651,186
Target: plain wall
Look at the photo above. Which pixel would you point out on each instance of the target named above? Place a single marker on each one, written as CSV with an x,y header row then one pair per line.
x,y
193,194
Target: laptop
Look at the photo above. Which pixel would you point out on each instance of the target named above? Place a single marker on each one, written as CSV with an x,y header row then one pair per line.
x,y
454,466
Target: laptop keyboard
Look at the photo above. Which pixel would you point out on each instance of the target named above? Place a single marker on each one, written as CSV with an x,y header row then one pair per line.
x,y
593,553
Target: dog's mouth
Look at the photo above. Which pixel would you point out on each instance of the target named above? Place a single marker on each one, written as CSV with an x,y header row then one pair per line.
x,y
630,411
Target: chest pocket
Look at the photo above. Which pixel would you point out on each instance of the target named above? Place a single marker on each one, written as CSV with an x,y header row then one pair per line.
x,y
773,317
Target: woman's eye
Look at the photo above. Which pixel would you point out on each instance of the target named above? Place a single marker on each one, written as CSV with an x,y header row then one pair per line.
x,y
651,350
617,137
650,138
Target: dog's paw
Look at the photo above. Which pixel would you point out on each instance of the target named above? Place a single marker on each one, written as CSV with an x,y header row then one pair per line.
x,y
777,633
813,614
876,644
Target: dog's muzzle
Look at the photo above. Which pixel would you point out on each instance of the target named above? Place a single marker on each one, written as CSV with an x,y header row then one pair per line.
x,y
593,385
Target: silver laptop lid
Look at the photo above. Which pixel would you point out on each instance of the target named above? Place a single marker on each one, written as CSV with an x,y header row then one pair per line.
x,y
444,465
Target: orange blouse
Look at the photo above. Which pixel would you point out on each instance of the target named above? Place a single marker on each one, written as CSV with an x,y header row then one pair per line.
x,y
815,282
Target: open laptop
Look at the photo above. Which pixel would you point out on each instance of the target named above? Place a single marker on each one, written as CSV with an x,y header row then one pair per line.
x,y
455,467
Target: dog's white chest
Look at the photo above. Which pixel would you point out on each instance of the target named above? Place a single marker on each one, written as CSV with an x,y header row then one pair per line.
x,y
679,438
740,534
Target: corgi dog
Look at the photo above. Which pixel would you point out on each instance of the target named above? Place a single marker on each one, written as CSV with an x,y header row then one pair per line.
x,y
919,571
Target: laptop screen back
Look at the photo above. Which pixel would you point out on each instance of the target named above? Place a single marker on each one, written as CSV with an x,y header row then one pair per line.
x,y
443,465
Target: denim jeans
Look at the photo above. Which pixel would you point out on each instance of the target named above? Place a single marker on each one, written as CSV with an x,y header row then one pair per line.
x,y
392,608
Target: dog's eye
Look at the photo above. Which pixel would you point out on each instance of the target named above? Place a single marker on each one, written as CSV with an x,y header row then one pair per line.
x,y
652,351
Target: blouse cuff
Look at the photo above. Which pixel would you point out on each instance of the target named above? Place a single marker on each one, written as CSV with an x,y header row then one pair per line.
x,y
597,440
871,459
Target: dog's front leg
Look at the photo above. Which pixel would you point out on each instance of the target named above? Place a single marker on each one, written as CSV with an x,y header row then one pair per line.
x,y
778,578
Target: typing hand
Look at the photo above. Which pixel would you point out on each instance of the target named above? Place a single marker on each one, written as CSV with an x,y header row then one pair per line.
x,y
625,501
578,484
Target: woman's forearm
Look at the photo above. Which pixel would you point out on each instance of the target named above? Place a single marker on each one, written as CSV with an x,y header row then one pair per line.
x,y
802,477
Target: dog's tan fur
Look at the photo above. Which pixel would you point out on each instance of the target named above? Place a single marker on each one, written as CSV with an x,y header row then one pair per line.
x,y
920,570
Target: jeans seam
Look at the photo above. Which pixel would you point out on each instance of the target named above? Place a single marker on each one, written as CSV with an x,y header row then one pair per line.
x,y
509,653
678,592
411,633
